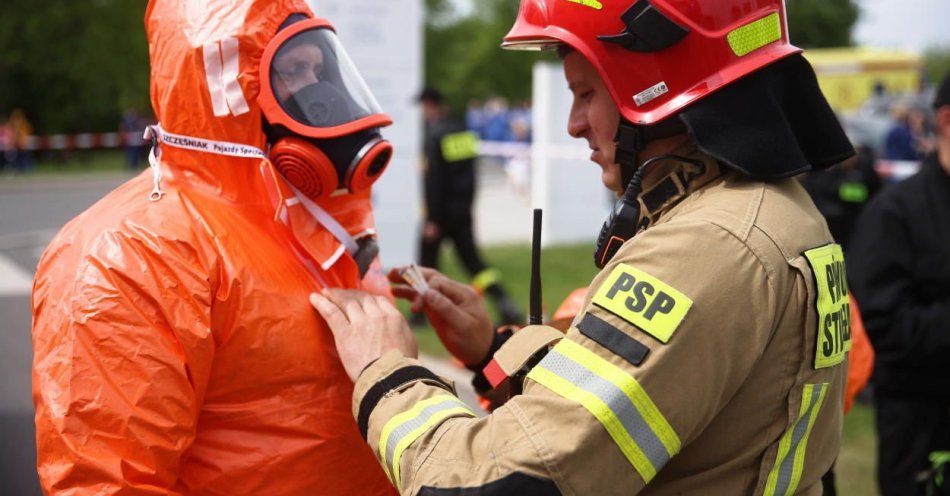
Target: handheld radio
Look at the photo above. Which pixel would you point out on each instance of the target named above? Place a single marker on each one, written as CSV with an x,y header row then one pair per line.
x,y
621,225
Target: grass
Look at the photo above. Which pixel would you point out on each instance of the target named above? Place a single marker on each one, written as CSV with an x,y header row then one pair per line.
x,y
857,463
563,269
569,267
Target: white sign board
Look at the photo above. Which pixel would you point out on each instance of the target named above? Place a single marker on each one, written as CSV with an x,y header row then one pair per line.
x,y
384,39
564,182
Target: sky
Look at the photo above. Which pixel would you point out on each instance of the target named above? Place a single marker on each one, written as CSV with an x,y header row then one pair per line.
x,y
907,24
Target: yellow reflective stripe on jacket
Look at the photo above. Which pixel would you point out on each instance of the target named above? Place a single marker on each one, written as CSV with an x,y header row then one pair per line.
x,y
787,472
403,429
459,146
615,399
486,278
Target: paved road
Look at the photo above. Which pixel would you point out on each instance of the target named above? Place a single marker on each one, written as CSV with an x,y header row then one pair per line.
x,y
32,210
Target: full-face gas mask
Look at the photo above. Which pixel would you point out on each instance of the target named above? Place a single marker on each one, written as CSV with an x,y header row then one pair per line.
x,y
320,118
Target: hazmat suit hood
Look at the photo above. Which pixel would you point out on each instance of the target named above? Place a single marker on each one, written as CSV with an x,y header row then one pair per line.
x,y
204,81
205,67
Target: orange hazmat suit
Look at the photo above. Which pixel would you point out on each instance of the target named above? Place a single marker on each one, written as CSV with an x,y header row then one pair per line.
x,y
175,351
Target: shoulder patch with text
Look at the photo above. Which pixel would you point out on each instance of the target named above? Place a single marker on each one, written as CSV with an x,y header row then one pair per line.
x,y
832,304
459,146
644,301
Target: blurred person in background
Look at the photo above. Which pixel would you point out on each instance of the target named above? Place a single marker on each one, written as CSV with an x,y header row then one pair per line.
x,y
7,149
909,138
169,357
899,269
710,354
20,132
842,191
518,166
475,117
449,183
497,122
520,121
131,126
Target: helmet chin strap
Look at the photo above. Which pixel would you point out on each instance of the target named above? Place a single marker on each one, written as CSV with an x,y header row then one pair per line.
x,y
631,139
630,142
622,224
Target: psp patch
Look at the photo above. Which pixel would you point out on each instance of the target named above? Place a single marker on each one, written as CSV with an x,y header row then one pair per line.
x,y
832,305
644,301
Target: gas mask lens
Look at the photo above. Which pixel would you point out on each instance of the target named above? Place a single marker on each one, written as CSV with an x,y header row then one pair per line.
x,y
315,82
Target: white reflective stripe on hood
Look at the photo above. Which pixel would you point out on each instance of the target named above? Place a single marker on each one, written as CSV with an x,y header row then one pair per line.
x,y
229,77
212,56
221,74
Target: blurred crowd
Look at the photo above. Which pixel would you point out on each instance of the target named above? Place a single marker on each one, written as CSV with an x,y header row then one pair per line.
x,y
494,120
894,126
888,127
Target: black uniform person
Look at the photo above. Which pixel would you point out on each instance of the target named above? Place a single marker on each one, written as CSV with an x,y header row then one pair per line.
x,y
899,270
841,192
450,151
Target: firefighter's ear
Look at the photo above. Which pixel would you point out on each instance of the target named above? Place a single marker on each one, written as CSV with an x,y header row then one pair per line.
x,y
942,121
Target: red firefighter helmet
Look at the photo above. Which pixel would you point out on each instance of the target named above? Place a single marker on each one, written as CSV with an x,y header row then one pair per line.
x,y
659,56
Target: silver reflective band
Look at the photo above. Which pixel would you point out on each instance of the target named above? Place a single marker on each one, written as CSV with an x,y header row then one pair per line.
x,y
786,474
616,400
404,429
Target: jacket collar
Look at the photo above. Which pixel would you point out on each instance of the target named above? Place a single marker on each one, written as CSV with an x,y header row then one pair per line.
x,y
673,180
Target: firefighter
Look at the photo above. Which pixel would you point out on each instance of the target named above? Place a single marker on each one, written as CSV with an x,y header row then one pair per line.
x,y
449,186
710,355
163,363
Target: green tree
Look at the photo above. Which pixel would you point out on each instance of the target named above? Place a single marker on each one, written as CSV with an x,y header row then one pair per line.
x,y
73,66
821,23
937,63
463,57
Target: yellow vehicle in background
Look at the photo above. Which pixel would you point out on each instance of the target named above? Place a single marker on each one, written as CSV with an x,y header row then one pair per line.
x,y
864,86
850,77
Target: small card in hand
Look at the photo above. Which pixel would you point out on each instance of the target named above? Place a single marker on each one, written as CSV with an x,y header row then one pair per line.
x,y
413,276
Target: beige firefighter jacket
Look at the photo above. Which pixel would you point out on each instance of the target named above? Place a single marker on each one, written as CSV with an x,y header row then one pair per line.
x,y
710,359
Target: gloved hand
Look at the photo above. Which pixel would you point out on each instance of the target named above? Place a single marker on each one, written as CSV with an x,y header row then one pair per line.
x,y
364,326
456,311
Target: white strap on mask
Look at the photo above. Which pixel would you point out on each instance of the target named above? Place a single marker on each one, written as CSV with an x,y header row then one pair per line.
x,y
327,221
161,137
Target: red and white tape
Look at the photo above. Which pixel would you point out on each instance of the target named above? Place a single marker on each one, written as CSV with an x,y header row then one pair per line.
x,y
84,141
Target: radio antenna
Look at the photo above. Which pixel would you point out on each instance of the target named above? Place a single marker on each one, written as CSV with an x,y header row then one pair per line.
x,y
534,317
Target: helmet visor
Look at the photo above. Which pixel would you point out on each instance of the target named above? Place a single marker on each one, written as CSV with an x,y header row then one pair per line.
x,y
315,82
